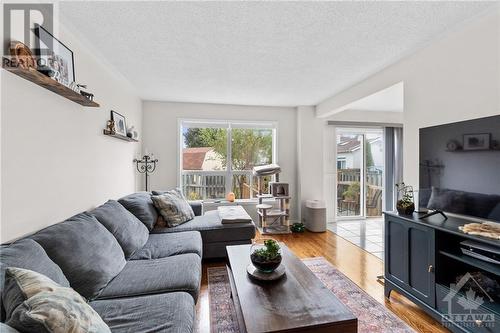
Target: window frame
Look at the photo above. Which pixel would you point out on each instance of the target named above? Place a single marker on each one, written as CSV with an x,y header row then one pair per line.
x,y
229,125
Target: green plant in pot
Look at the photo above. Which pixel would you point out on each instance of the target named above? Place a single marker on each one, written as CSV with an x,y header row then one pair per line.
x,y
405,204
266,257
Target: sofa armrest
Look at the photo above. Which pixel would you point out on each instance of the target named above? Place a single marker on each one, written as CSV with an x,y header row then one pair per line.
x,y
197,207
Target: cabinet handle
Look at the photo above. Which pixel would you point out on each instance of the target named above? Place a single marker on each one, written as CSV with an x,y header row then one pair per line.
x,y
430,269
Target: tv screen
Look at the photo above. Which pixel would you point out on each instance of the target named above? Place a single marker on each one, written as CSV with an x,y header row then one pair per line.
x,y
460,168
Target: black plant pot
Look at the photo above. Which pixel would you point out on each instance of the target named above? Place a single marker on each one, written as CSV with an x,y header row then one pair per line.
x,y
404,209
266,266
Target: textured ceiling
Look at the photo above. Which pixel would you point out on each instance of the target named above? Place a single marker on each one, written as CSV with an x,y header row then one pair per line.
x,y
257,53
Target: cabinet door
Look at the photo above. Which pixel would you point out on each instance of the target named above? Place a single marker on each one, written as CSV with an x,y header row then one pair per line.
x,y
421,255
396,252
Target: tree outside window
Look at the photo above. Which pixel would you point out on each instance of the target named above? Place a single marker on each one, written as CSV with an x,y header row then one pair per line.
x,y
214,162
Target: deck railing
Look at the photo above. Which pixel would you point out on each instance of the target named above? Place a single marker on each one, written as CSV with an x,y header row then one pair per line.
x,y
212,184
349,176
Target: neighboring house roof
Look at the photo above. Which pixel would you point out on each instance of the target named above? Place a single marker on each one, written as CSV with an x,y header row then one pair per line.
x,y
193,158
349,144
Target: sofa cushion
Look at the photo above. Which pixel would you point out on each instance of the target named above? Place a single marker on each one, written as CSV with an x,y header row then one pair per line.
x,y
166,245
86,251
141,205
28,254
173,207
146,277
128,230
45,306
212,230
163,313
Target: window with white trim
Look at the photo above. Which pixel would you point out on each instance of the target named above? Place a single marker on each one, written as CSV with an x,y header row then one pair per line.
x,y
217,157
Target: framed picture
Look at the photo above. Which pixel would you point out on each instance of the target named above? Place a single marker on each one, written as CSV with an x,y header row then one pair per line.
x,y
120,124
480,141
54,58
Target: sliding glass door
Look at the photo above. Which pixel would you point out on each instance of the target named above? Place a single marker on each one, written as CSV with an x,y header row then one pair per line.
x,y
360,172
350,160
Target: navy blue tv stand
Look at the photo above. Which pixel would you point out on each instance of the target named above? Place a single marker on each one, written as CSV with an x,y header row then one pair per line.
x,y
423,258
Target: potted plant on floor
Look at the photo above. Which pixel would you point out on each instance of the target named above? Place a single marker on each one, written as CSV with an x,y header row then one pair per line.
x,y
266,257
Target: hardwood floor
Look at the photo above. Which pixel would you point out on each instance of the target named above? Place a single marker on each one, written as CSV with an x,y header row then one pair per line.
x,y
357,264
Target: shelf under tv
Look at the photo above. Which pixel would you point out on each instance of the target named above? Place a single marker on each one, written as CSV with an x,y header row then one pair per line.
x,y
480,264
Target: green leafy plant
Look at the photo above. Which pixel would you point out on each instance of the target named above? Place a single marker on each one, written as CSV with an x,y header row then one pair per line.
x,y
405,204
352,192
405,194
297,227
270,252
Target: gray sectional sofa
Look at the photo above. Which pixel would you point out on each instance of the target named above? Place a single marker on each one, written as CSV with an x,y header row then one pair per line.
x,y
137,277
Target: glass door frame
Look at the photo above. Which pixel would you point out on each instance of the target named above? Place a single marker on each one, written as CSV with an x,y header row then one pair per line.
x,y
363,131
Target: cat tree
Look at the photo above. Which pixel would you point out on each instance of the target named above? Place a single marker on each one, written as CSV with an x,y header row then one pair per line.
x,y
273,219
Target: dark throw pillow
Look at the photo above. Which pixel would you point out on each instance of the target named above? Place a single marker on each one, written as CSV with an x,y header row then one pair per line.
x,y
131,233
88,254
141,205
451,201
173,207
45,306
28,254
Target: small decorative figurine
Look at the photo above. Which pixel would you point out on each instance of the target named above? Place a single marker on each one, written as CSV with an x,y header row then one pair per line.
x,y
111,127
87,95
132,133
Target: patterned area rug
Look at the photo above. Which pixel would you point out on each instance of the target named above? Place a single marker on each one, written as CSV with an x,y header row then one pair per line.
x,y
373,317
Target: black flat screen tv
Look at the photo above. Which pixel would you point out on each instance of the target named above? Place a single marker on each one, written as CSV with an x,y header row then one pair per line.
x,y
459,168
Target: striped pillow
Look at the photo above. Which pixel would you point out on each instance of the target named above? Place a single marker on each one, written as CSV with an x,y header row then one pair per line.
x,y
173,207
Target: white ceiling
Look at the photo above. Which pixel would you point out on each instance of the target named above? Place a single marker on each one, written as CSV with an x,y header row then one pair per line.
x,y
257,53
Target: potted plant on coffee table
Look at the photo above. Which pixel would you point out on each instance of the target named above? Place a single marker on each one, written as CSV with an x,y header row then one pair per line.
x,y
266,257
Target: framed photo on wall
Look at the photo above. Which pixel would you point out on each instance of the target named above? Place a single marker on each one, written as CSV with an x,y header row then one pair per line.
x,y
480,141
54,58
120,124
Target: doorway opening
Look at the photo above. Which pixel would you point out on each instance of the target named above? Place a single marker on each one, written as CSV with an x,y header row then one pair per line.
x,y
360,172
359,187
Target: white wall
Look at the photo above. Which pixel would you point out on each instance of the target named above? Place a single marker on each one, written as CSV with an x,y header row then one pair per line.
x,y
55,160
363,116
309,156
160,121
455,78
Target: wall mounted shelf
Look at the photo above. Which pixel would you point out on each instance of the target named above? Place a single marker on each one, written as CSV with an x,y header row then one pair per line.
x,y
46,82
118,136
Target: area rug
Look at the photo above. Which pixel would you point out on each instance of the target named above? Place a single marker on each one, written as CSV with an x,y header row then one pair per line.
x,y
372,316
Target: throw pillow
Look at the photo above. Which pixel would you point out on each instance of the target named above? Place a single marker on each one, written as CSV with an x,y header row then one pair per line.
x,y
48,307
142,207
28,254
131,233
451,201
88,254
173,207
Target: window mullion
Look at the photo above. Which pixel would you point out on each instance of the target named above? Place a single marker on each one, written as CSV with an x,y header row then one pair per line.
x,y
229,166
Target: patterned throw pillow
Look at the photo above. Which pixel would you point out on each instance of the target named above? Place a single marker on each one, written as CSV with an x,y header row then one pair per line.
x,y
173,207
47,307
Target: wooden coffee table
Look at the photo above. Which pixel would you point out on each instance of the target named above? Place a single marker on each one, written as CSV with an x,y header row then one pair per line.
x,y
299,302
